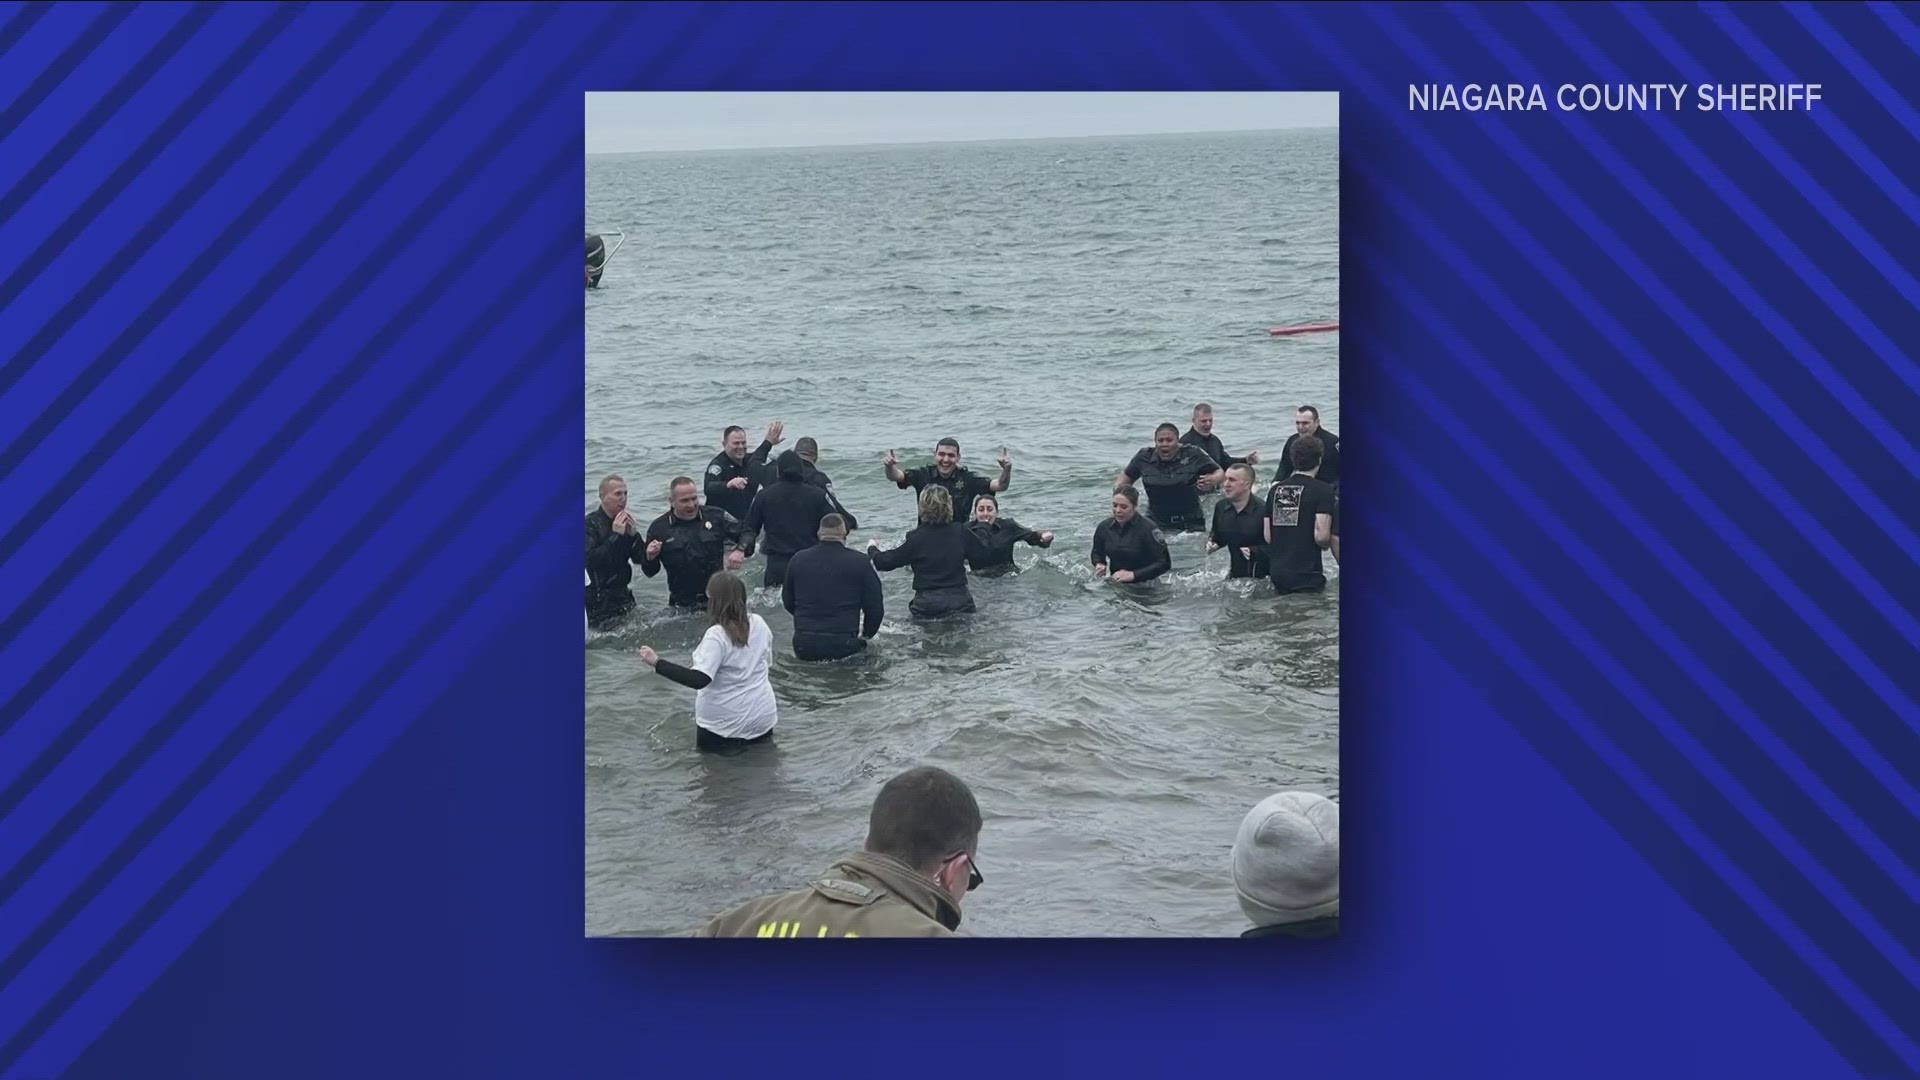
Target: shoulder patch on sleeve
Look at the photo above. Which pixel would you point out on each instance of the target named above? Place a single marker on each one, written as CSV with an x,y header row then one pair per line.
x,y
1158,538
713,470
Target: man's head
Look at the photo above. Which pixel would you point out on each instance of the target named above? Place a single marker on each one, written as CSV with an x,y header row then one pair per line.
x,y
683,498
1238,483
808,449
1307,452
1286,859
833,529
734,441
1166,439
1203,418
1306,420
613,495
928,819
789,466
946,455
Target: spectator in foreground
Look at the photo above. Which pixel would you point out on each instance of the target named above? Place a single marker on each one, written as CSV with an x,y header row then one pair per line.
x,y
1286,866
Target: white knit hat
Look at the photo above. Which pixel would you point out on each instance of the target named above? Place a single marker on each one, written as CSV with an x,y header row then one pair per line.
x,y
1286,860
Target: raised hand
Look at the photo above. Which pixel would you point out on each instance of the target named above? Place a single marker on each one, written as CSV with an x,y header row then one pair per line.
x,y
774,431
653,549
648,656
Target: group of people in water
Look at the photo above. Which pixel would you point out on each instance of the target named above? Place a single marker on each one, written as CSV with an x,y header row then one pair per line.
x,y
833,592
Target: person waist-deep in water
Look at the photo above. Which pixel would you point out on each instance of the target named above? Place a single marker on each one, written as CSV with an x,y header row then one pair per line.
x,y
834,596
1306,425
963,487
938,550
612,550
1172,474
733,706
692,543
1299,523
998,535
734,475
1286,866
789,511
809,450
1127,547
1202,435
917,866
1240,524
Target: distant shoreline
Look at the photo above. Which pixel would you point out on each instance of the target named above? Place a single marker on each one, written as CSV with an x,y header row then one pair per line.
x,y
949,142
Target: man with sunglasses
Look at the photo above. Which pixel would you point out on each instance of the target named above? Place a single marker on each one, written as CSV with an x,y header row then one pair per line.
x,y
917,866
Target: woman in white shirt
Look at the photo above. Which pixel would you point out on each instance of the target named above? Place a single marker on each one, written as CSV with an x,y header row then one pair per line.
x,y
734,705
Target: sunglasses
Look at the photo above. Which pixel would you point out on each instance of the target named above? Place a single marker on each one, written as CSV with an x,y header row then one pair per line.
x,y
974,877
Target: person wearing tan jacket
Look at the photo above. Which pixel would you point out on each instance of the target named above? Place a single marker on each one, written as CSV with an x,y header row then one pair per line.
x,y
917,866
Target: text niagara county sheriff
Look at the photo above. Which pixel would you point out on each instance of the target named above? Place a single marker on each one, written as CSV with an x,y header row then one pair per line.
x,y
1613,97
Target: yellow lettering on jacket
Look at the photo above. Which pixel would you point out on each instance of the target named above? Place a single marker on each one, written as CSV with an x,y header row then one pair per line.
x,y
766,930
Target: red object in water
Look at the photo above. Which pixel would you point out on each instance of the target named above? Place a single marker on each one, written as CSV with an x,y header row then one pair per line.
x,y
1308,328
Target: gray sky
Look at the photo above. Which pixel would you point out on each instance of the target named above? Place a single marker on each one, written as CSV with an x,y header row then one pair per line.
x,y
623,122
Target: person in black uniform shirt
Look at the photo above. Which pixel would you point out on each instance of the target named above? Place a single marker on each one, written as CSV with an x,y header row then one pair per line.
x,y
962,486
1126,547
938,550
1306,422
610,556
734,476
829,591
789,510
1201,435
997,535
1174,475
693,542
1299,522
1239,524
809,452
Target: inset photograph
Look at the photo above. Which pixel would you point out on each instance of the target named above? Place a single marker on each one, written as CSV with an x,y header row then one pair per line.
x,y
962,499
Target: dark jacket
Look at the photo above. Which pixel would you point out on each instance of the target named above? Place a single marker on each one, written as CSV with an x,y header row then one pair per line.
x,y
610,555
722,470
1171,487
819,479
862,895
997,542
1215,449
1136,546
1235,530
938,555
790,512
1326,927
691,551
829,588
963,486
1329,472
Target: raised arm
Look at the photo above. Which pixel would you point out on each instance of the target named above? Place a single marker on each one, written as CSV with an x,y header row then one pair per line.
x,y
873,604
999,483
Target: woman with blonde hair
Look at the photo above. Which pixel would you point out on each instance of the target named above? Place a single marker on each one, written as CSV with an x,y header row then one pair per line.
x,y
734,706
937,550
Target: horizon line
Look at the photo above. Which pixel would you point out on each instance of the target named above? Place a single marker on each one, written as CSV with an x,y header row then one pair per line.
x,y
943,142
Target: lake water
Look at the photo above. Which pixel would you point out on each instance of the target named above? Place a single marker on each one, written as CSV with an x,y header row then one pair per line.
x,y
1056,297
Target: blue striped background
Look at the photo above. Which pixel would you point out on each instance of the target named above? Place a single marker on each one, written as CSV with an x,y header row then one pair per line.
x,y
290,424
